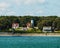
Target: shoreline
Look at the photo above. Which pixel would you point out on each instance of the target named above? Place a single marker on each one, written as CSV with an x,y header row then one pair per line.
x,y
30,34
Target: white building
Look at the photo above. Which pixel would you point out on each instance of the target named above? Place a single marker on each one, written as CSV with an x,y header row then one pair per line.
x,y
32,23
47,29
15,25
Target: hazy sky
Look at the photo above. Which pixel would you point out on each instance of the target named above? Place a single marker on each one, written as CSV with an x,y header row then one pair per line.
x,y
30,7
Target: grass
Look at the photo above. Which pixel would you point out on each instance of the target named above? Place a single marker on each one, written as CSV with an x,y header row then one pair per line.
x,y
30,30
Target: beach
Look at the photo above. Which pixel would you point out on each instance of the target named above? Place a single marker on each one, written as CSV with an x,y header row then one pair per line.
x,y
30,34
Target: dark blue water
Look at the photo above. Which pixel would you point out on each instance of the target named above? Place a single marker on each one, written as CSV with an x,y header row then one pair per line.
x,y
29,42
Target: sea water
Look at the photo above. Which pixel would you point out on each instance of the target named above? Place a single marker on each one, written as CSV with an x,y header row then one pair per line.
x,y
29,42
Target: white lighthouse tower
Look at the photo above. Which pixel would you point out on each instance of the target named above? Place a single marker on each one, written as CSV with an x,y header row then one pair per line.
x,y
32,23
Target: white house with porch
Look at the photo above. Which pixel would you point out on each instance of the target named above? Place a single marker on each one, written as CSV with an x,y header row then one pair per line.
x,y
47,29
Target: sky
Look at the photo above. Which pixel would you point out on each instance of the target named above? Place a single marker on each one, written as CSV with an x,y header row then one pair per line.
x,y
30,7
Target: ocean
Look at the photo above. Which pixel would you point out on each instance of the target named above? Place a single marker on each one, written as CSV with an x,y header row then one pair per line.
x,y
29,42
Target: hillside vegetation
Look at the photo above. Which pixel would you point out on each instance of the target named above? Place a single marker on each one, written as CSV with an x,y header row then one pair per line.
x,y
39,21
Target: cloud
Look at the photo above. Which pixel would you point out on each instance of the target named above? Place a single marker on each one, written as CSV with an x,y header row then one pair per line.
x,y
39,11
27,2
10,13
33,1
28,13
41,1
4,5
18,2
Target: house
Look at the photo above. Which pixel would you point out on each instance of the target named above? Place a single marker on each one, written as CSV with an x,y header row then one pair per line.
x,y
15,25
28,25
47,29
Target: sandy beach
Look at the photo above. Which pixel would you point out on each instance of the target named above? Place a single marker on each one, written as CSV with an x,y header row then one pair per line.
x,y
30,34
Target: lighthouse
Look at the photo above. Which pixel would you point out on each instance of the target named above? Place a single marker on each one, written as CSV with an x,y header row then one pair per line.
x,y
32,23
